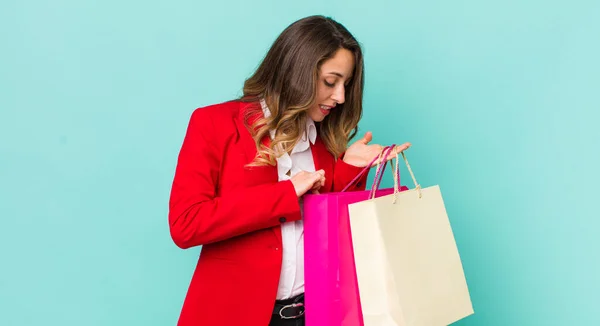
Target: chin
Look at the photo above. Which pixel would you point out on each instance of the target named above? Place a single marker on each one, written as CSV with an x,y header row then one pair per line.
x,y
317,116
318,119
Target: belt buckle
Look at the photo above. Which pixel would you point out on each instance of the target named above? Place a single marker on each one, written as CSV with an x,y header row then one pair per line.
x,y
293,305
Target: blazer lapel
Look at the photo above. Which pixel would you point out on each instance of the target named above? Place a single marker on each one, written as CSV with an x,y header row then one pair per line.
x,y
268,174
258,175
255,175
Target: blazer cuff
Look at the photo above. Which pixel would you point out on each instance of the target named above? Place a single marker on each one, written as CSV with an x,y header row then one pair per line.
x,y
345,173
290,201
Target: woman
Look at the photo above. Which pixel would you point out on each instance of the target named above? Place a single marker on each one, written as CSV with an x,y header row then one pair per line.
x,y
245,164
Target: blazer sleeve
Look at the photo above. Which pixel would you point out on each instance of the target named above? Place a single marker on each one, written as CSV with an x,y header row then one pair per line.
x,y
344,173
197,216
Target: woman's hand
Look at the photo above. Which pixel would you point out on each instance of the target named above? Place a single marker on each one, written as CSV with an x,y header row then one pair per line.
x,y
360,154
306,181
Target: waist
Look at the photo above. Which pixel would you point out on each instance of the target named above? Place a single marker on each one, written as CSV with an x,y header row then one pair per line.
x,y
291,308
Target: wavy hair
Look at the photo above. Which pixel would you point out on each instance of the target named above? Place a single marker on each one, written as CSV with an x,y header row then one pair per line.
x,y
287,80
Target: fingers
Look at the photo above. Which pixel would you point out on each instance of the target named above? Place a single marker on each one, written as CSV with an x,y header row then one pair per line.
x,y
317,176
306,181
379,150
318,179
367,138
397,150
401,148
321,182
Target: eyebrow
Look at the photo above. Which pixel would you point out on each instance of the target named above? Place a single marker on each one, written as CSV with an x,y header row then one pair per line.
x,y
335,73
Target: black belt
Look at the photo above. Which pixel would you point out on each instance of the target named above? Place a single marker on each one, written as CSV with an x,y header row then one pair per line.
x,y
290,308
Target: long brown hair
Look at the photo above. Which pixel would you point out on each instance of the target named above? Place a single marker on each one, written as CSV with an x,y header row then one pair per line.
x,y
287,80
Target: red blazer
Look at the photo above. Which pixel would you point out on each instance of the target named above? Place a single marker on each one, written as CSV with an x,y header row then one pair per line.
x,y
235,213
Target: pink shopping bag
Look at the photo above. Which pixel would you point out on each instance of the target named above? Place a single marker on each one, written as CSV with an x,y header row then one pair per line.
x,y
330,283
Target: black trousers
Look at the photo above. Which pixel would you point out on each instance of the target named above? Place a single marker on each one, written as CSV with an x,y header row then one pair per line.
x,y
276,319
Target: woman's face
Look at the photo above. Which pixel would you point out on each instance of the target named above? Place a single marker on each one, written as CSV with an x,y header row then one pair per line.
x,y
331,85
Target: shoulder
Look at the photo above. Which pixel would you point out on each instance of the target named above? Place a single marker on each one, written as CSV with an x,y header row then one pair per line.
x,y
225,116
221,123
220,112
229,110
217,118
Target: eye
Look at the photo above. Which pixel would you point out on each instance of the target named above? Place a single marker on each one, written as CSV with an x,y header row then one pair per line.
x,y
328,84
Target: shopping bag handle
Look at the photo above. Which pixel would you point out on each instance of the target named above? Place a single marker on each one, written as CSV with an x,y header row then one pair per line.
x,y
378,174
412,175
381,169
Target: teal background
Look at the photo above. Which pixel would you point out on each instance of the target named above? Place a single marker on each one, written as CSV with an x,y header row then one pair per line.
x,y
499,98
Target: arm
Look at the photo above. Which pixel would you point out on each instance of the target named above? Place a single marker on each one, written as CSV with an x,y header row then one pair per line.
x,y
360,154
197,216
344,173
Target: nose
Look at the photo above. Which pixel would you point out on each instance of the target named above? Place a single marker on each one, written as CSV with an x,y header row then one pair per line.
x,y
339,94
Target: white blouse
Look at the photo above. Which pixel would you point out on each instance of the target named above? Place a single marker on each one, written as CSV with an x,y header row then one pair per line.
x,y
291,282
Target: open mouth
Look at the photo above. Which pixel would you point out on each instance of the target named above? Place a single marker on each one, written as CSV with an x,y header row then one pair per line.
x,y
325,109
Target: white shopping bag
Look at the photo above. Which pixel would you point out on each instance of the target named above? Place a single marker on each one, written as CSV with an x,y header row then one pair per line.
x,y
407,262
